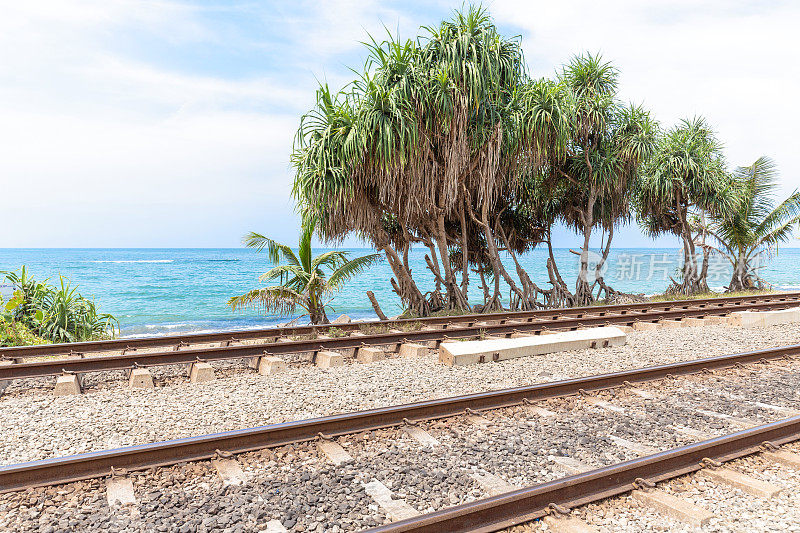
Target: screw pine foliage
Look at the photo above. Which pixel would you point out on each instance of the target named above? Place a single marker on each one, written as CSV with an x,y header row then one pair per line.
x,y
447,142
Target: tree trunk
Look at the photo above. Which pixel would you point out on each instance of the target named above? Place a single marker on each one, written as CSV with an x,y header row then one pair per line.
x,y
484,286
528,298
494,303
317,315
455,298
598,269
559,295
464,253
692,282
433,264
702,278
739,279
494,255
375,306
405,287
583,291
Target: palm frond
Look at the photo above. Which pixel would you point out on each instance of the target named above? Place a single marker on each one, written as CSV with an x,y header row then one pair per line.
x,y
278,300
788,211
777,235
350,269
275,250
332,259
291,276
304,250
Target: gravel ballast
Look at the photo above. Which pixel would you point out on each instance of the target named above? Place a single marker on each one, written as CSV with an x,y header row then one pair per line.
x,y
733,510
38,425
297,486
310,496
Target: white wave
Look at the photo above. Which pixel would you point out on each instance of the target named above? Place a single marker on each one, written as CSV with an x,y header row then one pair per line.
x,y
135,261
187,332
158,330
167,326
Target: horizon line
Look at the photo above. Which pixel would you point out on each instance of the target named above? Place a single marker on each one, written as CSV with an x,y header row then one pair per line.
x,y
320,246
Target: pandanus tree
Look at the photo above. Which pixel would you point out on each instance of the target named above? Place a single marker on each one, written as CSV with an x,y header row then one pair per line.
x,y
756,225
424,148
685,182
303,281
446,142
589,175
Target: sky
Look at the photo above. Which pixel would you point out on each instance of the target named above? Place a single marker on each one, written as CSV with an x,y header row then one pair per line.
x,y
161,123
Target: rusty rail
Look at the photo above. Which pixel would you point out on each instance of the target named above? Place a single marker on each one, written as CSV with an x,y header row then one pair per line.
x,y
51,367
512,508
168,341
99,464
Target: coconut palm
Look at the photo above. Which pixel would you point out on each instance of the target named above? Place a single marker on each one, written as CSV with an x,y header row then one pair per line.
x,y
304,282
685,180
757,226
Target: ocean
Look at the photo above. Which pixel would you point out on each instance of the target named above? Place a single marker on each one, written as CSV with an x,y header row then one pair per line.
x,y
176,290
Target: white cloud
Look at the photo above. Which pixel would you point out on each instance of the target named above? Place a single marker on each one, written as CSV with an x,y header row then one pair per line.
x,y
98,145
138,123
336,26
733,62
106,143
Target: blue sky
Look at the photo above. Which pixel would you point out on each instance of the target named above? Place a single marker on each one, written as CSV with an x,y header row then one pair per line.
x,y
165,123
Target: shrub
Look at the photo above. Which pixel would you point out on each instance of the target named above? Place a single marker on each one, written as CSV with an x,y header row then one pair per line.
x,y
17,334
57,313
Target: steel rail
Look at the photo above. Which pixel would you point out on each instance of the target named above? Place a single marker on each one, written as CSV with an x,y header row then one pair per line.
x,y
51,367
512,508
199,338
98,464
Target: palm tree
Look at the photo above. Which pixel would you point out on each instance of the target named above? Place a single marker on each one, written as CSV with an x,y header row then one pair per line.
x,y
436,143
303,280
423,148
600,159
756,226
685,180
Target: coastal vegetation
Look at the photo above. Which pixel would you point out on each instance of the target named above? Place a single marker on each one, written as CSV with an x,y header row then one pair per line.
x,y
14,333
445,141
39,312
303,281
684,182
755,226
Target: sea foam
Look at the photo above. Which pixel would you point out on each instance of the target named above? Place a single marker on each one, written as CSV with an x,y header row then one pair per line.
x,y
134,261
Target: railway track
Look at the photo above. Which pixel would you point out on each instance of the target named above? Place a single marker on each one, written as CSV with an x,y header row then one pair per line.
x,y
664,421
188,349
716,306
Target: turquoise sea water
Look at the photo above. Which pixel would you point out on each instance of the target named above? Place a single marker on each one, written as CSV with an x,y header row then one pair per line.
x,y
158,291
